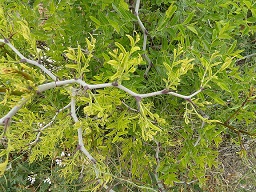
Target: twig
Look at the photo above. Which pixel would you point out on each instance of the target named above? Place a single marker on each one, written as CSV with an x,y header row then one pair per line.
x,y
133,183
48,125
235,129
130,108
246,57
145,36
80,139
57,83
23,59
13,111
225,124
159,183
237,111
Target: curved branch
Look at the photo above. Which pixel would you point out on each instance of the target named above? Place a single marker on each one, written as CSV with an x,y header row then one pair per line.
x,y
23,59
145,36
47,125
80,140
47,86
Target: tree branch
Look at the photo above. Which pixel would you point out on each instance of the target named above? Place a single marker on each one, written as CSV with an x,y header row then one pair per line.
x,y
26,60
48,125
80,140
13,111
246,57
145,36
159,183
47,86
56,83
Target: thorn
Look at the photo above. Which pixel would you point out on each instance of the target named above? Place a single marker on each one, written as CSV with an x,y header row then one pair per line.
x,y
93,161
115,84
138,99
23,60
189,100
86,87
165,91
146,76
6,40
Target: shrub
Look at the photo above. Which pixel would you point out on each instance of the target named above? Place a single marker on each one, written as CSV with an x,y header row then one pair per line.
x,y
140,95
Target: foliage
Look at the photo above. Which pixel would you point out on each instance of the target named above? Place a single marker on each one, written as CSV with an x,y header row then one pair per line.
x,y
143,134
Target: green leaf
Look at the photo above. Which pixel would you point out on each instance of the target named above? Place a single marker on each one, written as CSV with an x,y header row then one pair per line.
x,y
216,98
168,14
115,25
192,28
122,12
226,64
224,36
170,11
71,56
72,66
120,47
189,18
95,20
3,166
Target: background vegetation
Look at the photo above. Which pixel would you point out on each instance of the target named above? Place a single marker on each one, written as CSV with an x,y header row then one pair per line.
x,y
161,142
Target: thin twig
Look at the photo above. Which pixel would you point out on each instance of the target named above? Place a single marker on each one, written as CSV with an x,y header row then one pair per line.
x,y
80,139
237,111
23,59
235,129
145,36
159,183
130,108
48,125
246,57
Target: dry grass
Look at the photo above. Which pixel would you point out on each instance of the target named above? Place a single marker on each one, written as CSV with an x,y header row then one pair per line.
x,y
235,174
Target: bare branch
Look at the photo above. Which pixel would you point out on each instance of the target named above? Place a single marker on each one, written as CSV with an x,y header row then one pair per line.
x,y
80,139
145,36
246,57
13,111
48,124
26,60
159,183
47,86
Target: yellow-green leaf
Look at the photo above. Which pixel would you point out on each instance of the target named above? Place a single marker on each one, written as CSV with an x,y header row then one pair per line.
x,y
113,62
120,47
3,166
71,66
95,20
193,29
131,40
170,11
70,56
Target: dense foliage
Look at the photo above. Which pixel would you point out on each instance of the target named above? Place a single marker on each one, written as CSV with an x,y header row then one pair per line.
x,y
144,128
